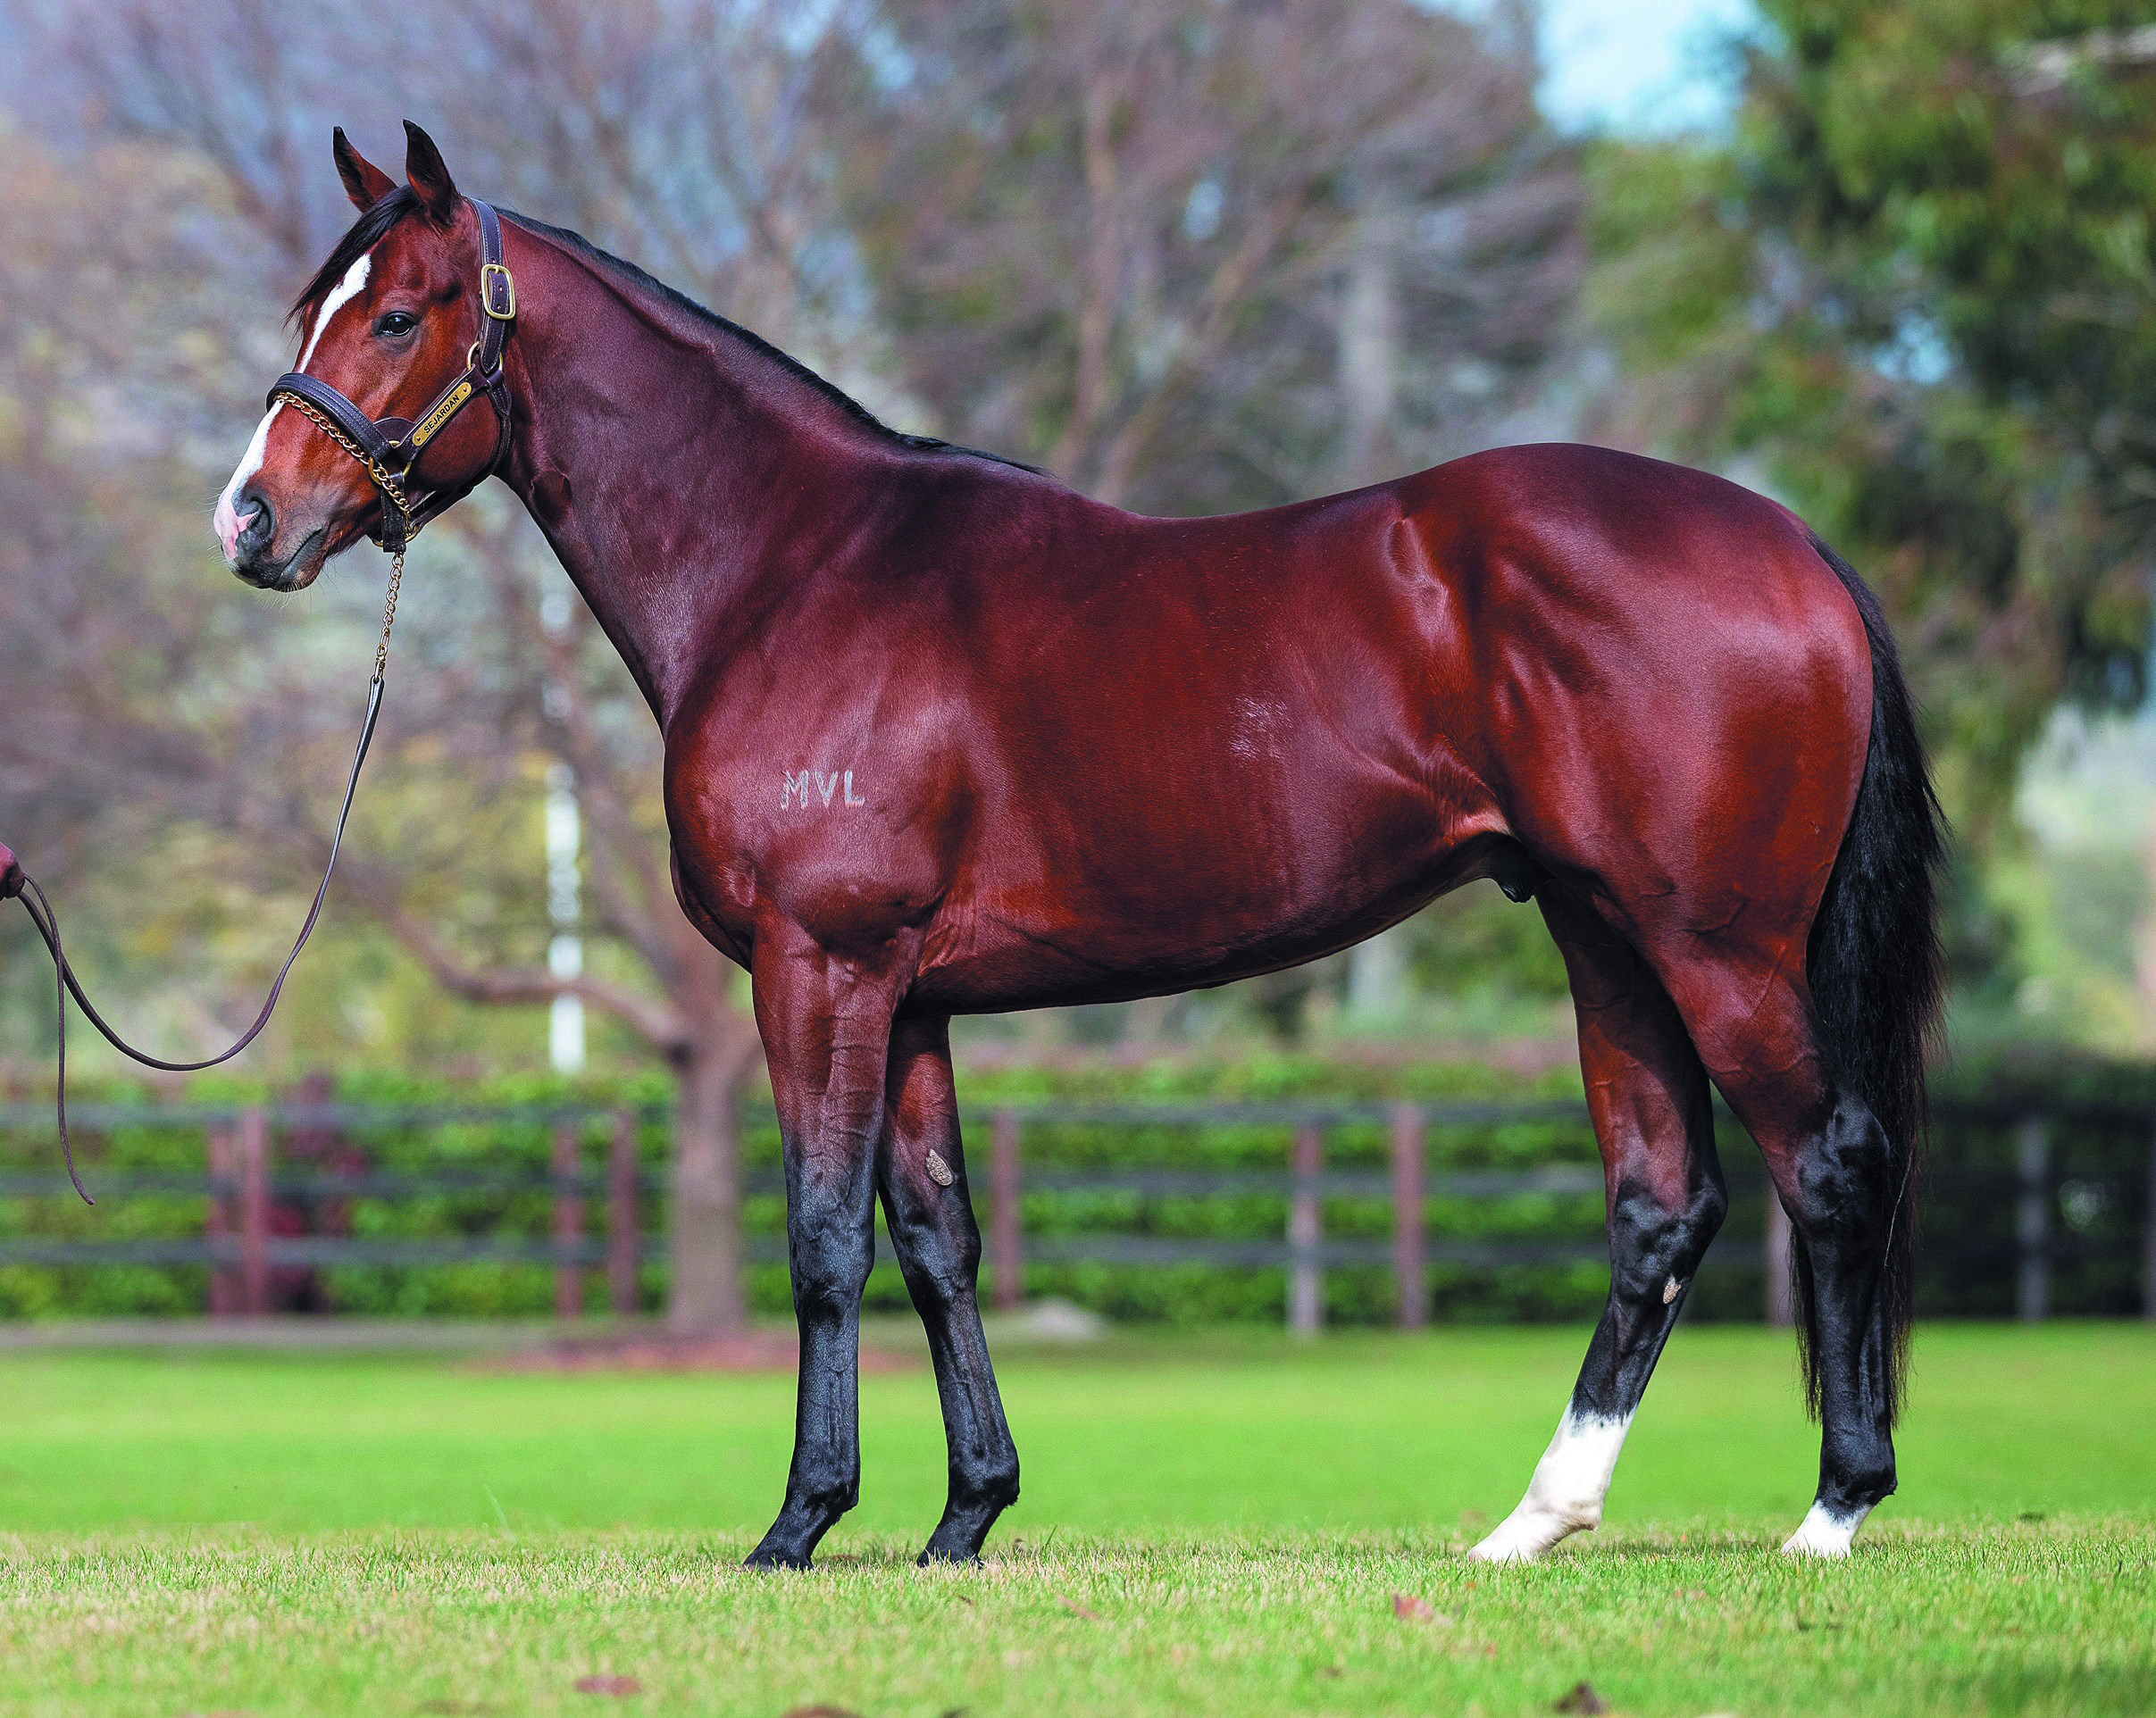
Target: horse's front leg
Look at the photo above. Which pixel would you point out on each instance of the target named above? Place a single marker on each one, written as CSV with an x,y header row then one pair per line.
x,y
921,1170
826,1023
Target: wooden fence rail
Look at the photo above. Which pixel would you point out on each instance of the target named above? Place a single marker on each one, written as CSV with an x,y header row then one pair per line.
x,y
242,1187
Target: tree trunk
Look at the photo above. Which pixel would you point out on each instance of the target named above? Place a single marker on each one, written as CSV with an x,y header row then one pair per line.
x,y
1369,359
708,1298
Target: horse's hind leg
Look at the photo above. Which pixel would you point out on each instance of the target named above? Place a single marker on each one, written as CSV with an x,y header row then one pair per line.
x,y
921,1173
1845,1189
1654,1118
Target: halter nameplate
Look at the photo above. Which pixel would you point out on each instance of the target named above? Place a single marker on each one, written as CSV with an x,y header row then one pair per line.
x,y
441,414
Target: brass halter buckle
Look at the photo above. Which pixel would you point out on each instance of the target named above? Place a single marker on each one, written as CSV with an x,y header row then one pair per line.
x,y
486,297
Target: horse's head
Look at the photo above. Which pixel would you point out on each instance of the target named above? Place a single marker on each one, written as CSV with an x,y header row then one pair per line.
x,y
390,321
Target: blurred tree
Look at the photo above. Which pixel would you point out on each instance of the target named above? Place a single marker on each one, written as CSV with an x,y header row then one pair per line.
x,y
107,342
675,133
1199,256
1918,291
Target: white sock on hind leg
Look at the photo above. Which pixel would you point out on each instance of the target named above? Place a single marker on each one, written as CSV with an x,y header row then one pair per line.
x,y
1565,1494
1823,1533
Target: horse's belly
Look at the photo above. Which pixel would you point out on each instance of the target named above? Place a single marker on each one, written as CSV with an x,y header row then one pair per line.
x,y
1151,904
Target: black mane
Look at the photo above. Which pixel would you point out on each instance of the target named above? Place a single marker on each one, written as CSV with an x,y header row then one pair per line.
x,y
373,226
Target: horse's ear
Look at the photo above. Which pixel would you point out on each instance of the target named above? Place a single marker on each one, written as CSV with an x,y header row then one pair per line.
x,y
429,178
364,183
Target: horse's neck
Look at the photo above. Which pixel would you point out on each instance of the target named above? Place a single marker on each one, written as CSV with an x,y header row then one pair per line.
x,y
665,458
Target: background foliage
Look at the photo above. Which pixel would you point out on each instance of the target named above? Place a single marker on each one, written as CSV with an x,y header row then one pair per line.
x,y
1191,254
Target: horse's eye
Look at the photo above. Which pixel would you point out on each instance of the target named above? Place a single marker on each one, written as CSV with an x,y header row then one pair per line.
x,y
395,324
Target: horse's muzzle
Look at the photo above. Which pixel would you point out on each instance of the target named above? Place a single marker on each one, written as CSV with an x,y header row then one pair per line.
x,y
296,571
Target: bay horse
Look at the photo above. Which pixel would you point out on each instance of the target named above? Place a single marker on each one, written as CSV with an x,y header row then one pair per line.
x,y
944,737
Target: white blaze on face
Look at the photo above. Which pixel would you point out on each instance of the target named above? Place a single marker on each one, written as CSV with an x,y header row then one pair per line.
x,y
228,520
1567,1492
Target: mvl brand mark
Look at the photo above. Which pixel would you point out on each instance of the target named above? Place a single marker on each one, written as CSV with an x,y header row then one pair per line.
x,y
796,787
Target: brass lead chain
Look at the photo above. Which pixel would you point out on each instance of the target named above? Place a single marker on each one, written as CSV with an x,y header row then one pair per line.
x,y
389,617
392,495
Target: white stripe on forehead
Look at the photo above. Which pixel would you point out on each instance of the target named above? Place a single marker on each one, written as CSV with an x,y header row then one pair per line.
x,y
346,291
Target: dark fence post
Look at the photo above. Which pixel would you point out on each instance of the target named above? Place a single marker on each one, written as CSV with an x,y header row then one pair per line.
x,y
1410,1219
621,1232
1780,1306
568,1221
1006,1238
1306,1276
2033,1220
2148,1244
221,1222
254,1210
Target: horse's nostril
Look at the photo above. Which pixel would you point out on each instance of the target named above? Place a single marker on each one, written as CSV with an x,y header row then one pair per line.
x,y
258,524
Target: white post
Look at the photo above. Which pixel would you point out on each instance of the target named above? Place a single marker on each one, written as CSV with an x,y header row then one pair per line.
x,y
565,953
564,839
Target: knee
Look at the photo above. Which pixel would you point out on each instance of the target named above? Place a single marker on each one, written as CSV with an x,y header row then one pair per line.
x,y
831,1262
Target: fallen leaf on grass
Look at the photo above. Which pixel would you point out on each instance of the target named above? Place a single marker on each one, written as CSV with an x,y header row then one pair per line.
x,y
609,1685
1582,1699
1076,1609
1408,1608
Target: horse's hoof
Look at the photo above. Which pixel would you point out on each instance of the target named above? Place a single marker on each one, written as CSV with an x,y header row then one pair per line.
x,y
1523,1536
766,1557
1824,1534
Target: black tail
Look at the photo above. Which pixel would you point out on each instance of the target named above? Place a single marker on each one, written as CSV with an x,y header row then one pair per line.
x,y
1874,965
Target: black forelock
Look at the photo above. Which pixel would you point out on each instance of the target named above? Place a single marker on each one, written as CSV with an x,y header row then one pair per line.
x,y
365,234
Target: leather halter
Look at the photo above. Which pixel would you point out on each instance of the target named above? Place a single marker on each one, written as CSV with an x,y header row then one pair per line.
x,y
388,448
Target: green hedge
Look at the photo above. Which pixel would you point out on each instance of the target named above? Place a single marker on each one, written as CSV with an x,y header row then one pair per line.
x,y
2101,1153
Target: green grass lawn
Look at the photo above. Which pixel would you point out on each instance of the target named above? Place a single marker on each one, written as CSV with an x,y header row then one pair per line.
x,y
1213,1524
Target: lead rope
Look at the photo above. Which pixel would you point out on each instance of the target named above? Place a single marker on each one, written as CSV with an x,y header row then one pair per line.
x,y
17,882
